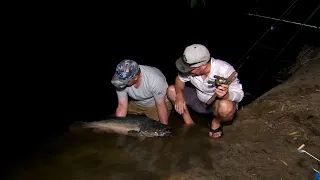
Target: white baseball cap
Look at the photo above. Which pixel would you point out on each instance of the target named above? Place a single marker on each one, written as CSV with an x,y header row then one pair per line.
x,y
194,56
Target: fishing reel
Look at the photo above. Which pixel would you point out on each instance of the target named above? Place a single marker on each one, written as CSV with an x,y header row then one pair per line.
x,y
220,80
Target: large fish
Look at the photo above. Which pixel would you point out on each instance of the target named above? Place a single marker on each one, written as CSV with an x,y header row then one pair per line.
x,y
137,126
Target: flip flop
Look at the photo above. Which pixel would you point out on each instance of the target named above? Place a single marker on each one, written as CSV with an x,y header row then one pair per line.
x,y
219,129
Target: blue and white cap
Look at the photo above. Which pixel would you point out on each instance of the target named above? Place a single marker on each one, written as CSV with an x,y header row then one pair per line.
x,y
125,70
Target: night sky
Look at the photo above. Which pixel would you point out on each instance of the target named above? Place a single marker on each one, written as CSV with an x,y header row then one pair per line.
x,y
71,51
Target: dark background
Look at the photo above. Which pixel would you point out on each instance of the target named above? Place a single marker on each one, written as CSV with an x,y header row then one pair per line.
x,y
69,52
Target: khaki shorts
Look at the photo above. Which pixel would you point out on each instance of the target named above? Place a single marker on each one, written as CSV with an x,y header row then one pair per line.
x,y
151,112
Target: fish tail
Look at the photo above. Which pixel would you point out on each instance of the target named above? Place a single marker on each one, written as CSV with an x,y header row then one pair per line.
x,y
77,125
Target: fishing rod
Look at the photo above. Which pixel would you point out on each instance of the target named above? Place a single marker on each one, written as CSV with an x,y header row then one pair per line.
x,y
278,55
283,20
287,12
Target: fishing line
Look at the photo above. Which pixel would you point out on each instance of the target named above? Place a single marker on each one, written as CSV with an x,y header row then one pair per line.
x,y
292,22
289,9
292,37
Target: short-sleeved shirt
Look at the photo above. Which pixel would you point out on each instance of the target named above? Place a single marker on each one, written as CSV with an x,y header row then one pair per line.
x,y
206,88
153,86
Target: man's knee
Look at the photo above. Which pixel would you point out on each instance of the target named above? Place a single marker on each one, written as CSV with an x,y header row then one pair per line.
x,y
152,113
153,116
171,91
134,109
226,108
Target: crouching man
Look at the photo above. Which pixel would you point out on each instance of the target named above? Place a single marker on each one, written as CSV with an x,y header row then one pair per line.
x,y
197,66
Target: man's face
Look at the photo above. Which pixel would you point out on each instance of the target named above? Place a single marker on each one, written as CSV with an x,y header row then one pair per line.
x,y
199,70
132,81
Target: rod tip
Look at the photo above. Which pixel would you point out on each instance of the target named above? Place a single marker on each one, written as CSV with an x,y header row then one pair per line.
x,y
301,147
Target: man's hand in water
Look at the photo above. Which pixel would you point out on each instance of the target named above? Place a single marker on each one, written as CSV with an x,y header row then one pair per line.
x,y
180,104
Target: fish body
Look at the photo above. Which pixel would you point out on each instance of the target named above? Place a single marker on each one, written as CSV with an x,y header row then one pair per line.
x,y
138,126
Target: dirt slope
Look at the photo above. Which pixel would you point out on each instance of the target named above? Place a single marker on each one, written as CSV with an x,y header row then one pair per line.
x,y
266,134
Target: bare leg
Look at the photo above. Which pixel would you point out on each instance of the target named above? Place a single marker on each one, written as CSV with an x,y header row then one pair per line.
x,y
171,93
224,110
186,117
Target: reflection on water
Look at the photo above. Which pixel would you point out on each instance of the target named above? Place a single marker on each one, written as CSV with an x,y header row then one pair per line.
x,y
88,155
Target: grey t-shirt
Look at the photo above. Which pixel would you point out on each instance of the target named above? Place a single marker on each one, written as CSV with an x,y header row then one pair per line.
x,y
153,86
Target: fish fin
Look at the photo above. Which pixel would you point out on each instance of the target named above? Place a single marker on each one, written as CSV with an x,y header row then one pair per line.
x,y
76,126
136,134
141,138
97,131
133,133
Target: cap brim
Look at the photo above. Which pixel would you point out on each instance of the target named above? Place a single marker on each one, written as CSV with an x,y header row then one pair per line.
x,y
117,82
182,67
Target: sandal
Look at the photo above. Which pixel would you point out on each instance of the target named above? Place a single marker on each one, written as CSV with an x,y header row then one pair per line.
x,y
219,129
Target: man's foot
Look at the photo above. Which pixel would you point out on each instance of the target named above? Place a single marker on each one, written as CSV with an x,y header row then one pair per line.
x,y
216,129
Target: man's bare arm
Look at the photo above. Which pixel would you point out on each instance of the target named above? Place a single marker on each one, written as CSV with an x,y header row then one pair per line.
x,y
162,110
179,105
179,86
122,108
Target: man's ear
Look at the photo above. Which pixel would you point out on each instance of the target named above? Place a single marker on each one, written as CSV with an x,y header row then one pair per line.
x,y
136,77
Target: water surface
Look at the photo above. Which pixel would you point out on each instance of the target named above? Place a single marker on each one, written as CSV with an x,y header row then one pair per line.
x,y
83,154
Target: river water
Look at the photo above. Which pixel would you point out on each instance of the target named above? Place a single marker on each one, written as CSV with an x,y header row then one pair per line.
x,y
83,154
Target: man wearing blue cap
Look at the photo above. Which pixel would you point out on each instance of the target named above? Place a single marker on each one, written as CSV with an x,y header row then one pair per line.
x,y
197,66
147,88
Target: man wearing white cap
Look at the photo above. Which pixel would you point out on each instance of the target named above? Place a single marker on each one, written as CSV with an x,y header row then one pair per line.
x,y
197,66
